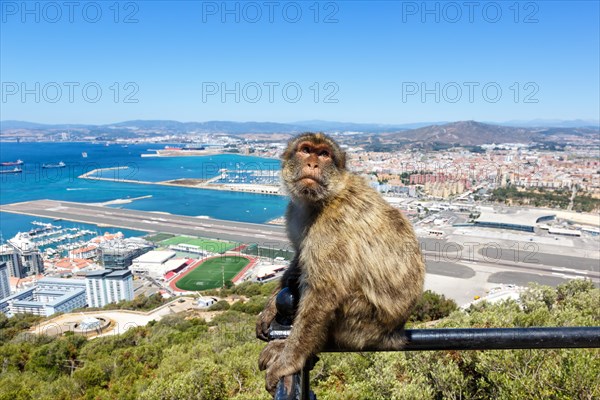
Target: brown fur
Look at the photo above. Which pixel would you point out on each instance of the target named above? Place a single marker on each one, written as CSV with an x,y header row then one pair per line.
x,y
358,270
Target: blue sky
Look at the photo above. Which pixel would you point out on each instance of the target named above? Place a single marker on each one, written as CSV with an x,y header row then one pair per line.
x,y
358,61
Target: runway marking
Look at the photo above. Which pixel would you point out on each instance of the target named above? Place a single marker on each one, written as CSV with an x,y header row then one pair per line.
x,y
567,276
571,270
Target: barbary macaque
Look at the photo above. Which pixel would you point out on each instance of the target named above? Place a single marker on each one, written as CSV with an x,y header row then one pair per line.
x,y
357,270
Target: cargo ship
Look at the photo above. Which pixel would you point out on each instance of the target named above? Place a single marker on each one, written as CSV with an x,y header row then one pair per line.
x,y
17,170
11,163
59,165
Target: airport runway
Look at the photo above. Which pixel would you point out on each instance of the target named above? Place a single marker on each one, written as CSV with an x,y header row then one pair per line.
x,y
242,232
443,257
263,235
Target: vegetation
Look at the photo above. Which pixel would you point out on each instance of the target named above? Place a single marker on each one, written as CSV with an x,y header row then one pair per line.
x,y
210,273
221,305
432,306
10,327
187,358
253,306
585,202
541,197
475,149
246,289
139,303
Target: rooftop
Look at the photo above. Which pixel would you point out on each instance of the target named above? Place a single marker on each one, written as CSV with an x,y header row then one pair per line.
x,y
97,274
119,273
62,281
109,273
520,217
155,256
55,298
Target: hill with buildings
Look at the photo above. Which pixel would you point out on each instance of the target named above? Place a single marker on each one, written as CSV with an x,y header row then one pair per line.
x,y
473,133
467,133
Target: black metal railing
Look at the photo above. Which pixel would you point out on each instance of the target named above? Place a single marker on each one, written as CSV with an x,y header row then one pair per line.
x,y
442,339
468,339
499,339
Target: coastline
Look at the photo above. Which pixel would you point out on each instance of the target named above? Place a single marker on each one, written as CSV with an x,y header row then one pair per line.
x,y
191,183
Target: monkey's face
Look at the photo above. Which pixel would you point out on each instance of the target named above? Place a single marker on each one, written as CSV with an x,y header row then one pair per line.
x,y
312,168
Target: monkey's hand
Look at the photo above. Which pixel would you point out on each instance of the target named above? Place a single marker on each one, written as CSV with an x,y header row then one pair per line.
x,y
264,320
270,353
278,363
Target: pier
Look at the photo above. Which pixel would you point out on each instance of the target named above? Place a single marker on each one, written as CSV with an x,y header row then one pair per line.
x,y
208,184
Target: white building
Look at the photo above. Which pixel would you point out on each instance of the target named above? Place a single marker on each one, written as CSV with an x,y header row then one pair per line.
x,y
49,296
85,252
157,263
189,248
4,281
108,286
521,220
10,256
204,302
265,272
562,231
22,257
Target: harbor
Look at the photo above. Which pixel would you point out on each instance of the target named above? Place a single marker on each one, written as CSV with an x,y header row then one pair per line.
x,y
248,181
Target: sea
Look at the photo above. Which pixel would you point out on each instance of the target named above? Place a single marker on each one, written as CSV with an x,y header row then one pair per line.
x,y
36,183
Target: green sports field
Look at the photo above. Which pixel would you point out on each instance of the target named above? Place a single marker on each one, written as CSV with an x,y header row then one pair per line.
x,y
213,246
209,274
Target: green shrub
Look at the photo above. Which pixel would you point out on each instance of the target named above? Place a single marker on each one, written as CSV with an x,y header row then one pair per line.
x,y
220,305
432,306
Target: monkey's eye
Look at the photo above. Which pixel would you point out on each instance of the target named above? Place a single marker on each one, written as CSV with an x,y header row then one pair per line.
x,y
305,149
324,153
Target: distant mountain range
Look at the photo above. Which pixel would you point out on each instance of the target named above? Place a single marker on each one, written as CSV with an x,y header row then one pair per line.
x,y
230,127
461,132
276,127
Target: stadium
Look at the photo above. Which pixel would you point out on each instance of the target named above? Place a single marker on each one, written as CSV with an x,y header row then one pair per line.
x,y
213,272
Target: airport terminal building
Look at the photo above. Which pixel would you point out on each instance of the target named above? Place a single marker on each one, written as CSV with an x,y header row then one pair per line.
x,y
522,220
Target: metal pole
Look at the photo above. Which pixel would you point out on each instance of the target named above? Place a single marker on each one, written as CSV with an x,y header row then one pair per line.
x,y
305,382
495,339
